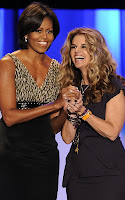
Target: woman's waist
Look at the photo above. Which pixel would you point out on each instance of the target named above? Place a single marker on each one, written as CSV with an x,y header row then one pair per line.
x,y
29,159
32,145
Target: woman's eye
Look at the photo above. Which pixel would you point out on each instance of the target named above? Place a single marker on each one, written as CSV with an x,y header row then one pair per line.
x,y
38,31
73,47
50,31
83,46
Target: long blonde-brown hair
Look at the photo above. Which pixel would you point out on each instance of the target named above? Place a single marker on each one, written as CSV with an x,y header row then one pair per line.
x,y
102,66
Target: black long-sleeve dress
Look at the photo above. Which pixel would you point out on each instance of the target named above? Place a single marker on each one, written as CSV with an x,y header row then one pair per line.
x,y
29,158
98,171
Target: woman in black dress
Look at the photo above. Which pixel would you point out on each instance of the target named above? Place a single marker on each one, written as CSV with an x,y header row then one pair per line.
x,y
29,158
95,165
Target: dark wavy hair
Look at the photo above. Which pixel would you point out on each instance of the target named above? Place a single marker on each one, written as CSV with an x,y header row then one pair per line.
x,y
31,19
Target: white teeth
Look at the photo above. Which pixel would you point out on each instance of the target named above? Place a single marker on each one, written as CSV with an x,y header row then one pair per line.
x,y
79,57
43,43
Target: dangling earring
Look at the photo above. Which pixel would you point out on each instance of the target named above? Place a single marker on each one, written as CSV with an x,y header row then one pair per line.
x,y
25,38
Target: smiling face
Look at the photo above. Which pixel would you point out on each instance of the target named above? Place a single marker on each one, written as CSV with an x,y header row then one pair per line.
x,y
79,54
41,39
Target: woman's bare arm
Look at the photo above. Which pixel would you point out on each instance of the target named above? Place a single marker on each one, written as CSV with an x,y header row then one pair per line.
x,y
110,127
58,119
114,118
8,105
69,130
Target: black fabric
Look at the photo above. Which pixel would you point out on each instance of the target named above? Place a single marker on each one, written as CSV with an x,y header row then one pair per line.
x,y
29,160
98,156
97,188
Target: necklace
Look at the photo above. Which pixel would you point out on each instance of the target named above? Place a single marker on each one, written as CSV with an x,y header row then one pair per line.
x,y
83,90
77,135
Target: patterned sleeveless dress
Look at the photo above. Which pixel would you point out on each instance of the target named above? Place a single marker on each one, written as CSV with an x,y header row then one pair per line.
x,y
29,158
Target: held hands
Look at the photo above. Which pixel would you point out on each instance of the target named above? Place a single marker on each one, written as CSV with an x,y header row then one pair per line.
x,y
70,99
66,94
73,100
70,93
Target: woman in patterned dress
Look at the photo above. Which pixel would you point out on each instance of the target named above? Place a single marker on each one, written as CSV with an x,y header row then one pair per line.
x,y
29,158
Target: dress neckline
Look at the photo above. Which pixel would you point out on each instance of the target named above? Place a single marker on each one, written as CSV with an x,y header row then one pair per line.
x,y
24,66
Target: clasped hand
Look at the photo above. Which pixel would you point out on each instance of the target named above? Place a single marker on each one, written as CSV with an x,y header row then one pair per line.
x,y
73,100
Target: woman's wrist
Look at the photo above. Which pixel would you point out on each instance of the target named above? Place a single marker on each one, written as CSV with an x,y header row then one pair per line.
x,y
56,105
82,111
85,114
74,119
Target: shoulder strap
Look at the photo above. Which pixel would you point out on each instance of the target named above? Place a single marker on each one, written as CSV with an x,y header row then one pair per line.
x,y
15,59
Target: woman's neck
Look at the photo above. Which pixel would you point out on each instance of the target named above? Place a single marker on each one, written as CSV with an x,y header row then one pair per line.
x,y
85,80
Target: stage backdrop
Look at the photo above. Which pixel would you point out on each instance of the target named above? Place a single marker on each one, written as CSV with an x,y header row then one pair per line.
x,y
110,22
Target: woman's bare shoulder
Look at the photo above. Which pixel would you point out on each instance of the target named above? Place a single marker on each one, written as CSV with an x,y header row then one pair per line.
x,y
7,58
7,64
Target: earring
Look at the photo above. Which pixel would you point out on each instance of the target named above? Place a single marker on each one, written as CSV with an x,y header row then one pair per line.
x,y
25,38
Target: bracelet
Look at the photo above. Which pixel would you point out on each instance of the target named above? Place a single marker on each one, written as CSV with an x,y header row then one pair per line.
x,y
86,116
83,114
74,120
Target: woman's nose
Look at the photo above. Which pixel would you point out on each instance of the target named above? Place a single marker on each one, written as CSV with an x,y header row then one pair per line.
x,y
77,50
44,35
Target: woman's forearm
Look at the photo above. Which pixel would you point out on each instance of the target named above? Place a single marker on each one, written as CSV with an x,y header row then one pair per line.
x,y
15,116
58,121
105,128
68,132
111,126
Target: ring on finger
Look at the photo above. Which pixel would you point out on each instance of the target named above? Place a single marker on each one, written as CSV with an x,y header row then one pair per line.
x,y
70,91
68,108
75,102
